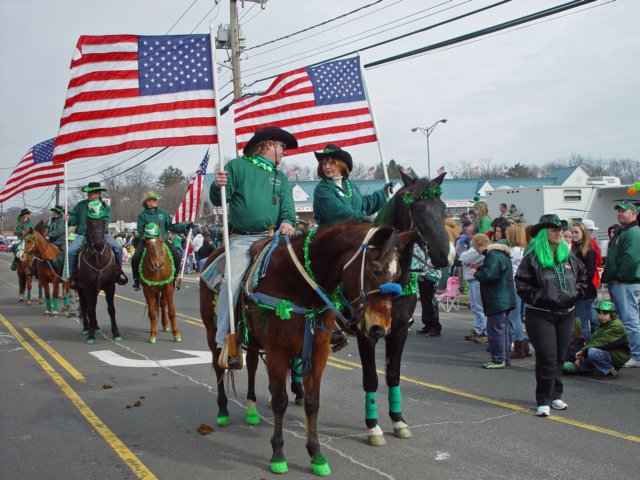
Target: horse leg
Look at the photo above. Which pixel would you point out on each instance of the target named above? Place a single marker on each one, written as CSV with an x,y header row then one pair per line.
x,y
29,286
296,380
171,308
47,298
277,367
394,346
55,306
83,314
109,294
91,303
162,303
40,296
366,349
312,382
152,307
252,416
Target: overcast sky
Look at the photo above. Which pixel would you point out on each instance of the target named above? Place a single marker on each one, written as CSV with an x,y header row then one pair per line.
x,y
530,95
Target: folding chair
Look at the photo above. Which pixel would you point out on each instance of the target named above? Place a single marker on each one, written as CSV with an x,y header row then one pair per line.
x,y
449,298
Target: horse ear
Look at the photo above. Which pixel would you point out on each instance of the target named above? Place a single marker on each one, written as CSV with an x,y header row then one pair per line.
x,y
440,178
406,179
405,239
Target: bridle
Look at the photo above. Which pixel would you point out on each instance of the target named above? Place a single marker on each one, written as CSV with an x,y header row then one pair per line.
x,y
96,255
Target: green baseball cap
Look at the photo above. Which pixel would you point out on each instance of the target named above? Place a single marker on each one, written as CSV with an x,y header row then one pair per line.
x,y
152,230
606,306
626,205
96,209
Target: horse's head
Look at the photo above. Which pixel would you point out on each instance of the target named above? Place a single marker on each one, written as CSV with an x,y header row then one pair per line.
x,y
418,206
95,233
369,277
42,227
28,245
155,256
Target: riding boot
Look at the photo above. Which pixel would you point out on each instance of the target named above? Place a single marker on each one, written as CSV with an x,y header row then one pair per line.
x,y
338,342
74,279
525,346
518,349
121,278
14,264
136,283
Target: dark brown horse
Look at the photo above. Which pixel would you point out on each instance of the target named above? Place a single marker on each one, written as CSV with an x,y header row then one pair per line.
x,y
290,313
158,273
96,271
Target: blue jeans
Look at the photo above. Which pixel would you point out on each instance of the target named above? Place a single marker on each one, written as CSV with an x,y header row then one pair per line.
x,y
475,302
625,297
598,361
76,246
584,311
498,335
515,321
240,259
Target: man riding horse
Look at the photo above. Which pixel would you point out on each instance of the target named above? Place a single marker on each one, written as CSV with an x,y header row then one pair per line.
x,y
56,228
152,214
24,222
78,217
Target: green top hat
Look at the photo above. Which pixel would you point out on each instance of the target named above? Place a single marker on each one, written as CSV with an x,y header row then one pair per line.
x,y
24,211
58,209
152,230
626,205
96,209
606,306
94,187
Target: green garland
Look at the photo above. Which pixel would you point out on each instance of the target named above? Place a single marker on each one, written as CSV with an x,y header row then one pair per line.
x,y
411,288
430,192
263,164
347,187
307,258
161,282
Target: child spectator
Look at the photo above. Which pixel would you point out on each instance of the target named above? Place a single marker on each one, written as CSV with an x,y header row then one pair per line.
x,y
575,345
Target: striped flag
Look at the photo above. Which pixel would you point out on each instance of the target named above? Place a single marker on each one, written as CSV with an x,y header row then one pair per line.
x,y
188,209
129,92
34,170
318,105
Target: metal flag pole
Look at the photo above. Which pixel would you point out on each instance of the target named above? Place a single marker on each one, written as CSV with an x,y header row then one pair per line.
x,y
223,191
373,118
185,257
65,271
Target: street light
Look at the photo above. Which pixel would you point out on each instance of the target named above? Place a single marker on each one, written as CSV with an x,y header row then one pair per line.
x,y
426,132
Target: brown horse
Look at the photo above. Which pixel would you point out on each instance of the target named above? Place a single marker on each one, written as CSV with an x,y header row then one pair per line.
x,y
49,266
157,274
334,258
25,278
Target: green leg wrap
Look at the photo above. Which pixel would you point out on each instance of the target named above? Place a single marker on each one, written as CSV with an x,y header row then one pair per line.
x,y
296,369
320,466
370,406
223,420
395,400
28,294
56,305
47,304
279,466
66,300
252,418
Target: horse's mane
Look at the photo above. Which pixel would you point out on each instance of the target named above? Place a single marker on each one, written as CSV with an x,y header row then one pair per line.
x,y
387,214
41,226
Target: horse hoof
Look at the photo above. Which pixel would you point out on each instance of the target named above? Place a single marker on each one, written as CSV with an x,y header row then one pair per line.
x,y
320,466
54,313
152,340
279,466
165,329
375,437
20,300
117,338
40,301
85,331
98,330
300,401
29,302
47,313
223,420
401,430
177,339
91,341
252,418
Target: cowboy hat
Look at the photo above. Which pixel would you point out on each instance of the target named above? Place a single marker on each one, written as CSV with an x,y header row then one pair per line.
x,y
94,187
270,133
58,209
24,211
546,221
334,151
150,196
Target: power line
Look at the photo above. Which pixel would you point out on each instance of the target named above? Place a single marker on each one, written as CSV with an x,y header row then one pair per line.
x,y
182,16
217,5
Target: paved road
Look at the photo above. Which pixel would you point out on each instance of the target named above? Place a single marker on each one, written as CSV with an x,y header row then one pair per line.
x,y
58,420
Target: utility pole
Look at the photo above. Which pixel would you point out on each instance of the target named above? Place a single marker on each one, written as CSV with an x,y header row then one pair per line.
x,y
235,49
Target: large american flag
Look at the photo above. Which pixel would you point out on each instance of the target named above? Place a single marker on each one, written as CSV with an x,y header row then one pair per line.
x,y
34,170
188,209
318,105
129,92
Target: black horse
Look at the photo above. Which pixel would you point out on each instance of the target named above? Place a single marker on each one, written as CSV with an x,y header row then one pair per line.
x,y
96,271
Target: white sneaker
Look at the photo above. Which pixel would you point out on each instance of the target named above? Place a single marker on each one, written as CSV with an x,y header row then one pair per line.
x,y
559,405
631,363
543,411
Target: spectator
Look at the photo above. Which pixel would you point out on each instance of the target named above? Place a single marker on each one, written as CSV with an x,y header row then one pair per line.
x,y
482,214
549,280
613,230
517,240
468,256
515,215
591,227
582,248
575,345
428,278
608,349
204,251
567,235
622,275
504,212
498,296
197,243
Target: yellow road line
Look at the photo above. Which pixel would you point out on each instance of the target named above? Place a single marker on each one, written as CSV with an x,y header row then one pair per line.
x,y
55,355
336,365
136,466
510,406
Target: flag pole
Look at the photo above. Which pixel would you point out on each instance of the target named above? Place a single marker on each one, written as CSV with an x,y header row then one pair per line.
x,y
65,274
373,118
223,191
185,257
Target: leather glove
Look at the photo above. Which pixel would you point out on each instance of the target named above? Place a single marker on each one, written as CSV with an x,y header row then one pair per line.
x,y
388,188
190,226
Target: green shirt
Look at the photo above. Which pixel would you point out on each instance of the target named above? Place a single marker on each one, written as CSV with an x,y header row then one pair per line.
x,y
332,204
250,194
162,219
484,224
78,216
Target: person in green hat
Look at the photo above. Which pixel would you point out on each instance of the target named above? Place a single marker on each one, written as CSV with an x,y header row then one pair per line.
x,y
23,222
608,349
78,218
622,275
56,227
152,214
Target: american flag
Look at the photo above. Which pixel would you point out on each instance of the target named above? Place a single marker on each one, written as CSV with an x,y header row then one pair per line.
x,y
129,92
318,105
188,209
34,170
440,171
371,172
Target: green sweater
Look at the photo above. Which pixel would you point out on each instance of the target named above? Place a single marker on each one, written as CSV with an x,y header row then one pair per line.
x,y
612,337
250,193
78,216
161,218
331,204
56,231
623,258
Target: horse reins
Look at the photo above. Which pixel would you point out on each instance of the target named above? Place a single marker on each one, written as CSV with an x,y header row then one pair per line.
x,y
97,256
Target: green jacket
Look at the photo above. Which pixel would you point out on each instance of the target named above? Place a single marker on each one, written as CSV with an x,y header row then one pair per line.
x,y
163,219
78,216
623,258
250,192
612,337
497,289
56,231
20,227
331,204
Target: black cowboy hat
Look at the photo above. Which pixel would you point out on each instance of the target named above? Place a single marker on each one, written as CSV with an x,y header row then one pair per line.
x,y
334,151
24,211
546,221
94,187
58,209
270,133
